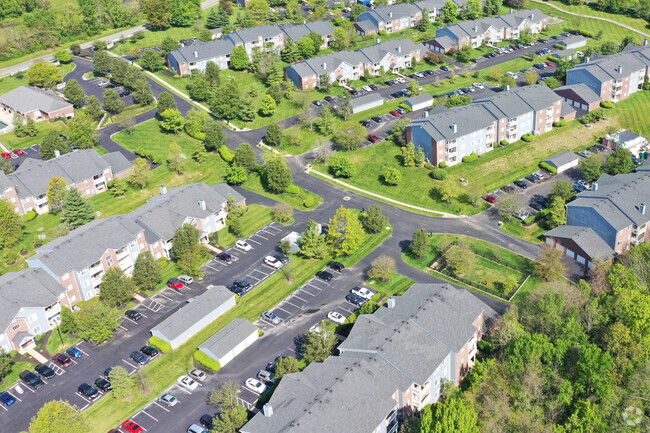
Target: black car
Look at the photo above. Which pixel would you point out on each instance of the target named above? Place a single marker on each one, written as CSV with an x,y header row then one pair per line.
x,y
139,358
271,366
355,299
338,267
317,103
544,202
242,284
507,189
237,290
224,257
207,422
329,99
133,315
31,379
45,371
377,119
281,257
125,93
538,207
103,384
374,87
521,184
532,179
444,68
88,390
149,351
354,92
107,372
324,275
396,95
365,123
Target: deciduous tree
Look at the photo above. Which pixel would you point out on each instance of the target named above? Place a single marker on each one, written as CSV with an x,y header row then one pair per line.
x,y
549,265
140,173
52,141
12,225
507,205
116,288
245,156
74,93
557,213
169,44
562,189
166,102
282,212
56,191
319,345
225,396
81,132
94,108
121,383
450,12
392,176
214,136
421,244
44,74
231,420
341,166
592,167
113,104
151,60
58,416
172,121
276,174
76,210
158,13
187,249
239,58
345,232
96,322
236,174
382,268
286,365
619,162
312,243
350,135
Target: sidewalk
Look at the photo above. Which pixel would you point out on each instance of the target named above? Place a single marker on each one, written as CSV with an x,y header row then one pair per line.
x,y
37,356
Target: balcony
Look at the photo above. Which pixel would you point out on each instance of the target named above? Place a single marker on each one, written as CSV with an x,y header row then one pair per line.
x,y
638,230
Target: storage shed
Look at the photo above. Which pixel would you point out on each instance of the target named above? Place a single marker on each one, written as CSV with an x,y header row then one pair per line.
x,y
419,102
230,341
573,42
367,102
563,161
194,316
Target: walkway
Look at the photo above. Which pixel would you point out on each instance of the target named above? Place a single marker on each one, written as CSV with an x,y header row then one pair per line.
x,y
593,18
37,356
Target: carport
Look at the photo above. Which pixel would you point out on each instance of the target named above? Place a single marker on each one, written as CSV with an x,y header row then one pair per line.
x,y
563,161
367,102
230,341
419,102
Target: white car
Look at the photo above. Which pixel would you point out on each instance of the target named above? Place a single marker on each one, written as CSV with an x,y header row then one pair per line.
x,y
255,385
479,86
584,153
168,400
336,317
511,74
195,428
363,292
367,88
185,279
243,245
187,382
197,374
273,262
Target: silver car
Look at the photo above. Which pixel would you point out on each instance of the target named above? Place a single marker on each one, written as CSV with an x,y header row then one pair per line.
x,y
168,400
270,317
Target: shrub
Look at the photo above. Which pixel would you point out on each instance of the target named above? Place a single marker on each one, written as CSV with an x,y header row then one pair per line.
x,y
13,354
260,332
439,174
470,158
503,142
38,338
30,216
206,361
606,104
308,202
336,84
428,166
160,344
529,220
163,262
197,135
226,153
442,164
406,107
548,167
560,123
528,137
292,189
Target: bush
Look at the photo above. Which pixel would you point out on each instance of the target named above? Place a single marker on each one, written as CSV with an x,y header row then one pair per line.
x,y
529,220
160,344
528,137
428,166
292,189
38,338
260,332
308,202
470,158
163,262
560,123
226,153
406,107
503,142
548,167
442,164
439,174
606,104
336,84
206,361
146,154
197,135
30,216
13,354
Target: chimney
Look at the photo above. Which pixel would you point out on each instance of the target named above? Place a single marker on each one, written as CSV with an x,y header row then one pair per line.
x,y
645,42
304,21
325,66
57,153
399,49
587,59
425,114
594,186
391,302
454,127
163,189
267,410
507,87
378,40
196,54
475,28
642,208
202,204
532,17
512,10
619,69
390,14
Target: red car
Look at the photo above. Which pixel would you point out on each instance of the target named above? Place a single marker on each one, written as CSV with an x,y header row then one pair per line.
x,y
490,199
395,113
174,284
373,138
62,359
549,63
19,152
131,427
6,155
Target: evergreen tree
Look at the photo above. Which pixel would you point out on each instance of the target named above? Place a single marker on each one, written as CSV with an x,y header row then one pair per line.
x,y
169,44
212,21
273,135
200,154
450,12
247,109
312,243
67,321
116,288
492,7
423,24
245,157
375,220
226,102
236,175
166,102
290,52
212,74
421,244
214,136
74,93
239,58
277,175
94,108
557,213
147,271
267,107
52,141
143,94
12,225
76,210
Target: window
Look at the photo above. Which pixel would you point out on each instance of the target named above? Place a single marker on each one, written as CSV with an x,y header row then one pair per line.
x,y
36,330
15,327
69,287
109,261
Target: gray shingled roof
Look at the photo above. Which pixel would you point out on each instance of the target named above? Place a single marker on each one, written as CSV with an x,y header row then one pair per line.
x,y
586,238
606,68
297,31
367,99
583,91
203,50
252,34
573,39
24,289
480,26
193,312
445,42
117,161
522,99
398,47
467,119
562,158
26,99
367,26
390,13
419,99
229,337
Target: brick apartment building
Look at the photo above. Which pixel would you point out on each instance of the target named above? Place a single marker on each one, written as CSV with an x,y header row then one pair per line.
x,y
32,102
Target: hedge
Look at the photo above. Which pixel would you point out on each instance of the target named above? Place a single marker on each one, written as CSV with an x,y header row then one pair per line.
x,y
226,153
206,361
528,137
29,216
292,189
197,135
560,123
470,158
439,174
406,107
548,167
308,202
606,104
160,344
503,142
428,166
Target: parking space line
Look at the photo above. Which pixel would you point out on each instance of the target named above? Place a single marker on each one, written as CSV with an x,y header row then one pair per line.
x,y
2,406
82,397
77,346
257,234
184,390
129,364
163,408
14,396
169,299
27,387
303,300
122,327
85,407
280,308
149,416
258,243
315,287
255,278
293,305
303,290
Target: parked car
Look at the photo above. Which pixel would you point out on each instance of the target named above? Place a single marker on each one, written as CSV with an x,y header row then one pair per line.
x,y
132,427
549,63
185,279
7,399
195,428
584,153
31,379
255,385
394,113
317,103
355,299
578,188
281,257
363,292
19,152
266,376
532,179
174,283
224,257
207,422
338,267
377,119
374,87
367,88
365,123
521,184
243,284
538,207
243,245
103,384
6,155
272,262
237,290
187,382
133,315
271,317
107,372
88,390
329,99
62,359
197,374
521,215
489,198
75,353
139,358
400,110
373,138
324,275
478,86
336,317
149,351
45,371
445,68
124,93
508,189
168,400
354,92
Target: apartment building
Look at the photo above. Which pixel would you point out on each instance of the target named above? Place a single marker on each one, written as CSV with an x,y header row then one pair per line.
x,y
86,170
613,77
346,66
635,143
489,30
579,96
33,103
449,135
607,219
397,356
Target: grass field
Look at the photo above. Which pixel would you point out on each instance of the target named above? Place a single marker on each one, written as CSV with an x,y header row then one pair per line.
x,y
127,113
396,286
16,369
531,234
10,140
254,219
10,83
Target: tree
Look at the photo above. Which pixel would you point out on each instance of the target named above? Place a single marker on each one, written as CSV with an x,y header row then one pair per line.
x,y
346,110
200,154
118,187
236,174
267,106
172,121
74,93
63,55
96,322
325,81
158,13
169,44
282,212
374,220
619,162
382,268
423,24
239,58
413,87
452,415
116,288
450,12
277,175
286,365
290,53
325,121
356,10
319,345
76,210
5,363
458,259
247,109
472,10
81,132
392,176
121,383
140,173
552,83
306,47
531,77
259,9
313,243
44,74
273,135
549,265
143,94
59,416
231,420
187,249
151,60
56,192
197,120
67,324
507,205
166,102
341,166
94,108
225,396
350,135
6,166
52,141
113,104
399,131
592,167
214,136
176,159
421,244
12,225
345,232
212,74
563,190
245,156
557,213
492,7
213,21
102,62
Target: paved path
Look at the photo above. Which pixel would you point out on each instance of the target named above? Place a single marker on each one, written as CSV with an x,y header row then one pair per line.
x,y
593,18
37,356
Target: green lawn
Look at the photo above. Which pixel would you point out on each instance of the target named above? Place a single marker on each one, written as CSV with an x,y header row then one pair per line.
x,y
255,218
16,369
254,183
53,344
9,83
632,113
10,140
532,234
127,113
396,286
154,38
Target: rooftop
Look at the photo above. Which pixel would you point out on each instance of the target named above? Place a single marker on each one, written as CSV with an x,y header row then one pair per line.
x,y
229,337
26,99
562,158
